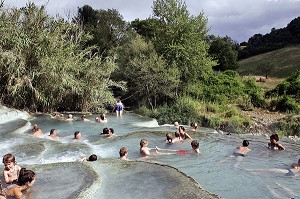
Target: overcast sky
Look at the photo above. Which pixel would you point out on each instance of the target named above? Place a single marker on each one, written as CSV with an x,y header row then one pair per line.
x,y
239,19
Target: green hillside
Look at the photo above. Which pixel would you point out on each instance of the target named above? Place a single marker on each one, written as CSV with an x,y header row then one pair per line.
x,y
280,63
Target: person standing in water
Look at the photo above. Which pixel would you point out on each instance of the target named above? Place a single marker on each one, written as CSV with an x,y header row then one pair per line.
x,y
119,108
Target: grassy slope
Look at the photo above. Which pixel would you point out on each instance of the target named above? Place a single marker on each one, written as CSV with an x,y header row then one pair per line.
x,y
283,62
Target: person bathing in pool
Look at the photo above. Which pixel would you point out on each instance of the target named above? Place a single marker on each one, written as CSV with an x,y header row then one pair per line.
x,y
11,169
195,149
26,179
239,152
242,150
183,134
144,149
273,144
123,153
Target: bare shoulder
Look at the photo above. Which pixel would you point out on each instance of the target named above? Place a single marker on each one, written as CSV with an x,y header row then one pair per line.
x,y
18,167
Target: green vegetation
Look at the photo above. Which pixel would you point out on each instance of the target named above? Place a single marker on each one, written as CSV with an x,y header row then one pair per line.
x,y
161,67
44,66
280,63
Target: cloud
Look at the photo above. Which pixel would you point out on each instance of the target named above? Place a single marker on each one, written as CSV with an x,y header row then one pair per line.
x,y
239,19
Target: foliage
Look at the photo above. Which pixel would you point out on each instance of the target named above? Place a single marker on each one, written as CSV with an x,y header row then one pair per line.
x,y
287,104
43,66
218,88
106,26
224,51
286,96
254,93
184,110
290,125
150,80
180,38
147,28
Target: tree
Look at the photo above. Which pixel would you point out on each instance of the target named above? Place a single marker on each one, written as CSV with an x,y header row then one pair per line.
x,y
150,80
146,28
43,66
106,26
224,51
181,39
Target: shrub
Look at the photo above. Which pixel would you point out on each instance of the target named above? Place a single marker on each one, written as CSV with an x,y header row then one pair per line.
x,y
290,126
288,104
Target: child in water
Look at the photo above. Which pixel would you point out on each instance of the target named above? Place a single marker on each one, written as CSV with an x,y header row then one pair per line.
x,y
26,180
145,150
123,153
11,170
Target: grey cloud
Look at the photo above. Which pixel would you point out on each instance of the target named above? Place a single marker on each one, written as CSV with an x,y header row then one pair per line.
x,y
239,19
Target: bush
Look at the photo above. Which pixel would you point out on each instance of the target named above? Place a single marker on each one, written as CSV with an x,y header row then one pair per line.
x,y
184,110
254,93
287,104
290,126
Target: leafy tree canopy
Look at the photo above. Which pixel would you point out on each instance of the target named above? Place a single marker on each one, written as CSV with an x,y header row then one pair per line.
x,y
43,66
224,51
180,38
106,26
150,80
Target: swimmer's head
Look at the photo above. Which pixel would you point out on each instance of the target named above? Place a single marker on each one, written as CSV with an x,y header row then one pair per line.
x,y
52,132
26,177
97,119
143,142
123,151
102,116
245,143
169,136
92,157
111,130
274,137
77,135
176,124
195,144
181,128
8,158
70,116
105,131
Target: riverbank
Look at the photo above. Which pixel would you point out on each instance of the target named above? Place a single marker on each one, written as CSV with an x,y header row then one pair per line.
x,y
265,122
